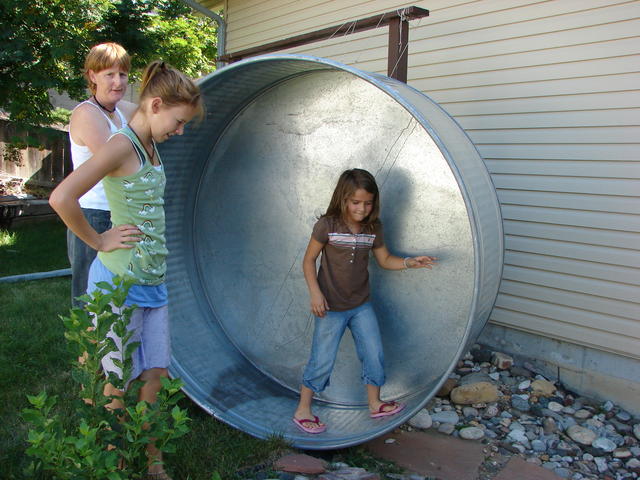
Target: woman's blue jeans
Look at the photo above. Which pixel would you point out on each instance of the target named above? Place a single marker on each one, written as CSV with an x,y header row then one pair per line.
x,y
327,333
81,255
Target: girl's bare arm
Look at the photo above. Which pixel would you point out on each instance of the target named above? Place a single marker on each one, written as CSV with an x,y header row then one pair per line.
x,y
391,262
65,198
318,302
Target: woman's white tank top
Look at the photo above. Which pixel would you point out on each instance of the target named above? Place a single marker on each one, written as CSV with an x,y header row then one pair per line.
x,y
94,198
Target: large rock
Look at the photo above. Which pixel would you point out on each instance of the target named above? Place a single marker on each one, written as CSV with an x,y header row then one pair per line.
x,y
581,435
471,433
481,392
543,387
422,419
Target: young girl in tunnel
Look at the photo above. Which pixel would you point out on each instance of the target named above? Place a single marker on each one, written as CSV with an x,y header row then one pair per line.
x,y
133,176
339,292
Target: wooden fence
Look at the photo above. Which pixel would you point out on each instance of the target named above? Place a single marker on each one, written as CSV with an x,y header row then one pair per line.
x,y
42,167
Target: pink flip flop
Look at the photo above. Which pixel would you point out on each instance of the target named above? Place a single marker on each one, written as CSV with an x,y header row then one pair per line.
x,y
317,429
382,413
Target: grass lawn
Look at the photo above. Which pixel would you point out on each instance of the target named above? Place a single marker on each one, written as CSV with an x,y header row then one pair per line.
x,y
34,357
37,246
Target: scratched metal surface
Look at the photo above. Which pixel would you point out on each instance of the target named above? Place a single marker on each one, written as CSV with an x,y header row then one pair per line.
x,y
244,189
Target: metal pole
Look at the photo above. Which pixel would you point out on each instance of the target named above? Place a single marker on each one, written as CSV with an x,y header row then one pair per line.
x,y
222,29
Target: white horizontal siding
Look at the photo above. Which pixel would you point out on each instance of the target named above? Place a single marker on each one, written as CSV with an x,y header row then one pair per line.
x,y
549,92
592,236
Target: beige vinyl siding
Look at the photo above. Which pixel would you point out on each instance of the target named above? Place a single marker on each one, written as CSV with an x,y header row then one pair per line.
x,y
549,92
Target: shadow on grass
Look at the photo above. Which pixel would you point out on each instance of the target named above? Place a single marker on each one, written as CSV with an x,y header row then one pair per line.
x,y
37,246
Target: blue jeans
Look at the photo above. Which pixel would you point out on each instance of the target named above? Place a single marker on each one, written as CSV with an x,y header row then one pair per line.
x,y
327,333
81,255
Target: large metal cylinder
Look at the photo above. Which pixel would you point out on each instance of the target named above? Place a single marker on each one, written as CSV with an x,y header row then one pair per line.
x,y
244,189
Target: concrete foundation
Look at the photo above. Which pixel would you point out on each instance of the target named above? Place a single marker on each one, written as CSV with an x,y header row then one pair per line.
x,y
583,370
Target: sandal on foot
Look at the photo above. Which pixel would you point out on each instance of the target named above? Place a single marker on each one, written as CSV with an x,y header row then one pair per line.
x,y
397,406
316,429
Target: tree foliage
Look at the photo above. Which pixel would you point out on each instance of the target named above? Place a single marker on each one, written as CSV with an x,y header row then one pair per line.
x,y
44,43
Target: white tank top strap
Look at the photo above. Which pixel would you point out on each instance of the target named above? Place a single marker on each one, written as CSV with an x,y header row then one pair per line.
x,y
112,126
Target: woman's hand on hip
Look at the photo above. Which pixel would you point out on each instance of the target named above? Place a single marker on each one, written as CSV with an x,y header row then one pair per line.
x,y
117,237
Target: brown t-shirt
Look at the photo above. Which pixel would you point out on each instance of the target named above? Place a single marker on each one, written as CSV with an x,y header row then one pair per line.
x,y
343,275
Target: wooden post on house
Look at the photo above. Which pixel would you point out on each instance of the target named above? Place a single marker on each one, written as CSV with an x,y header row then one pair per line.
x,y
398,53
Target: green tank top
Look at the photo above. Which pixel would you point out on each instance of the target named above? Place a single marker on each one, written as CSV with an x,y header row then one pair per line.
x,y
138,199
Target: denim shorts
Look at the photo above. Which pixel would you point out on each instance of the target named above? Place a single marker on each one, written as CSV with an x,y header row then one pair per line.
x,y
327,334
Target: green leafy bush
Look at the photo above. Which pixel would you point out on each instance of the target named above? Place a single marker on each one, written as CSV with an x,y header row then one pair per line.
x,y
102,443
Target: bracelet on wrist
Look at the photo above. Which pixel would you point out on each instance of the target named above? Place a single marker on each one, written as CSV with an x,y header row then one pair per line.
x,y
404,262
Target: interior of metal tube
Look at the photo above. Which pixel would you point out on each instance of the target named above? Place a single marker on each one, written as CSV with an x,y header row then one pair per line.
x,y
244,190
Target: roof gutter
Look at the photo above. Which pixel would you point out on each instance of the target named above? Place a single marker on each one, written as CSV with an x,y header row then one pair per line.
x,y
222,29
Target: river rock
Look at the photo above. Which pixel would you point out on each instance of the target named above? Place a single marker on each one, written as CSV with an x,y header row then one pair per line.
x,y
520,403
622,453
524,385
521,372
422,419
502,360
491,411
633,465
582,414
447,428
475,377
538,446
543,387
555,407
582,435
549,426
475,393
604,444
636,430
471,433
518,436
446,416
601,463
623,416
469,412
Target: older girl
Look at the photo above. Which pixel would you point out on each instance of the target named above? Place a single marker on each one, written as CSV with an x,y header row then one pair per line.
x,y
133,177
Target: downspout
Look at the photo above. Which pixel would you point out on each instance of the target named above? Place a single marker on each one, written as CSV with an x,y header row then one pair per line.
x,y
222,29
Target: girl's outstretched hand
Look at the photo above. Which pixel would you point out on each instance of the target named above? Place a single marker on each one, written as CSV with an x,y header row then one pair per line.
x,y
423,261
319,305
116,237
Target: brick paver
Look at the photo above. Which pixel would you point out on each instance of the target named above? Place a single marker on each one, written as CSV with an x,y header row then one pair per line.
x,y
432,454
518,468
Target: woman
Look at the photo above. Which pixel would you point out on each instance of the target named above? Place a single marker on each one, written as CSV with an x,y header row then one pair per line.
x,y
93,121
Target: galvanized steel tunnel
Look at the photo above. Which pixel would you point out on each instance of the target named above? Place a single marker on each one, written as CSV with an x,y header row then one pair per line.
x,y
244,189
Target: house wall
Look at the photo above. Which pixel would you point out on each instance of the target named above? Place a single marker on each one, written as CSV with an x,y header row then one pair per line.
x,y
549,92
